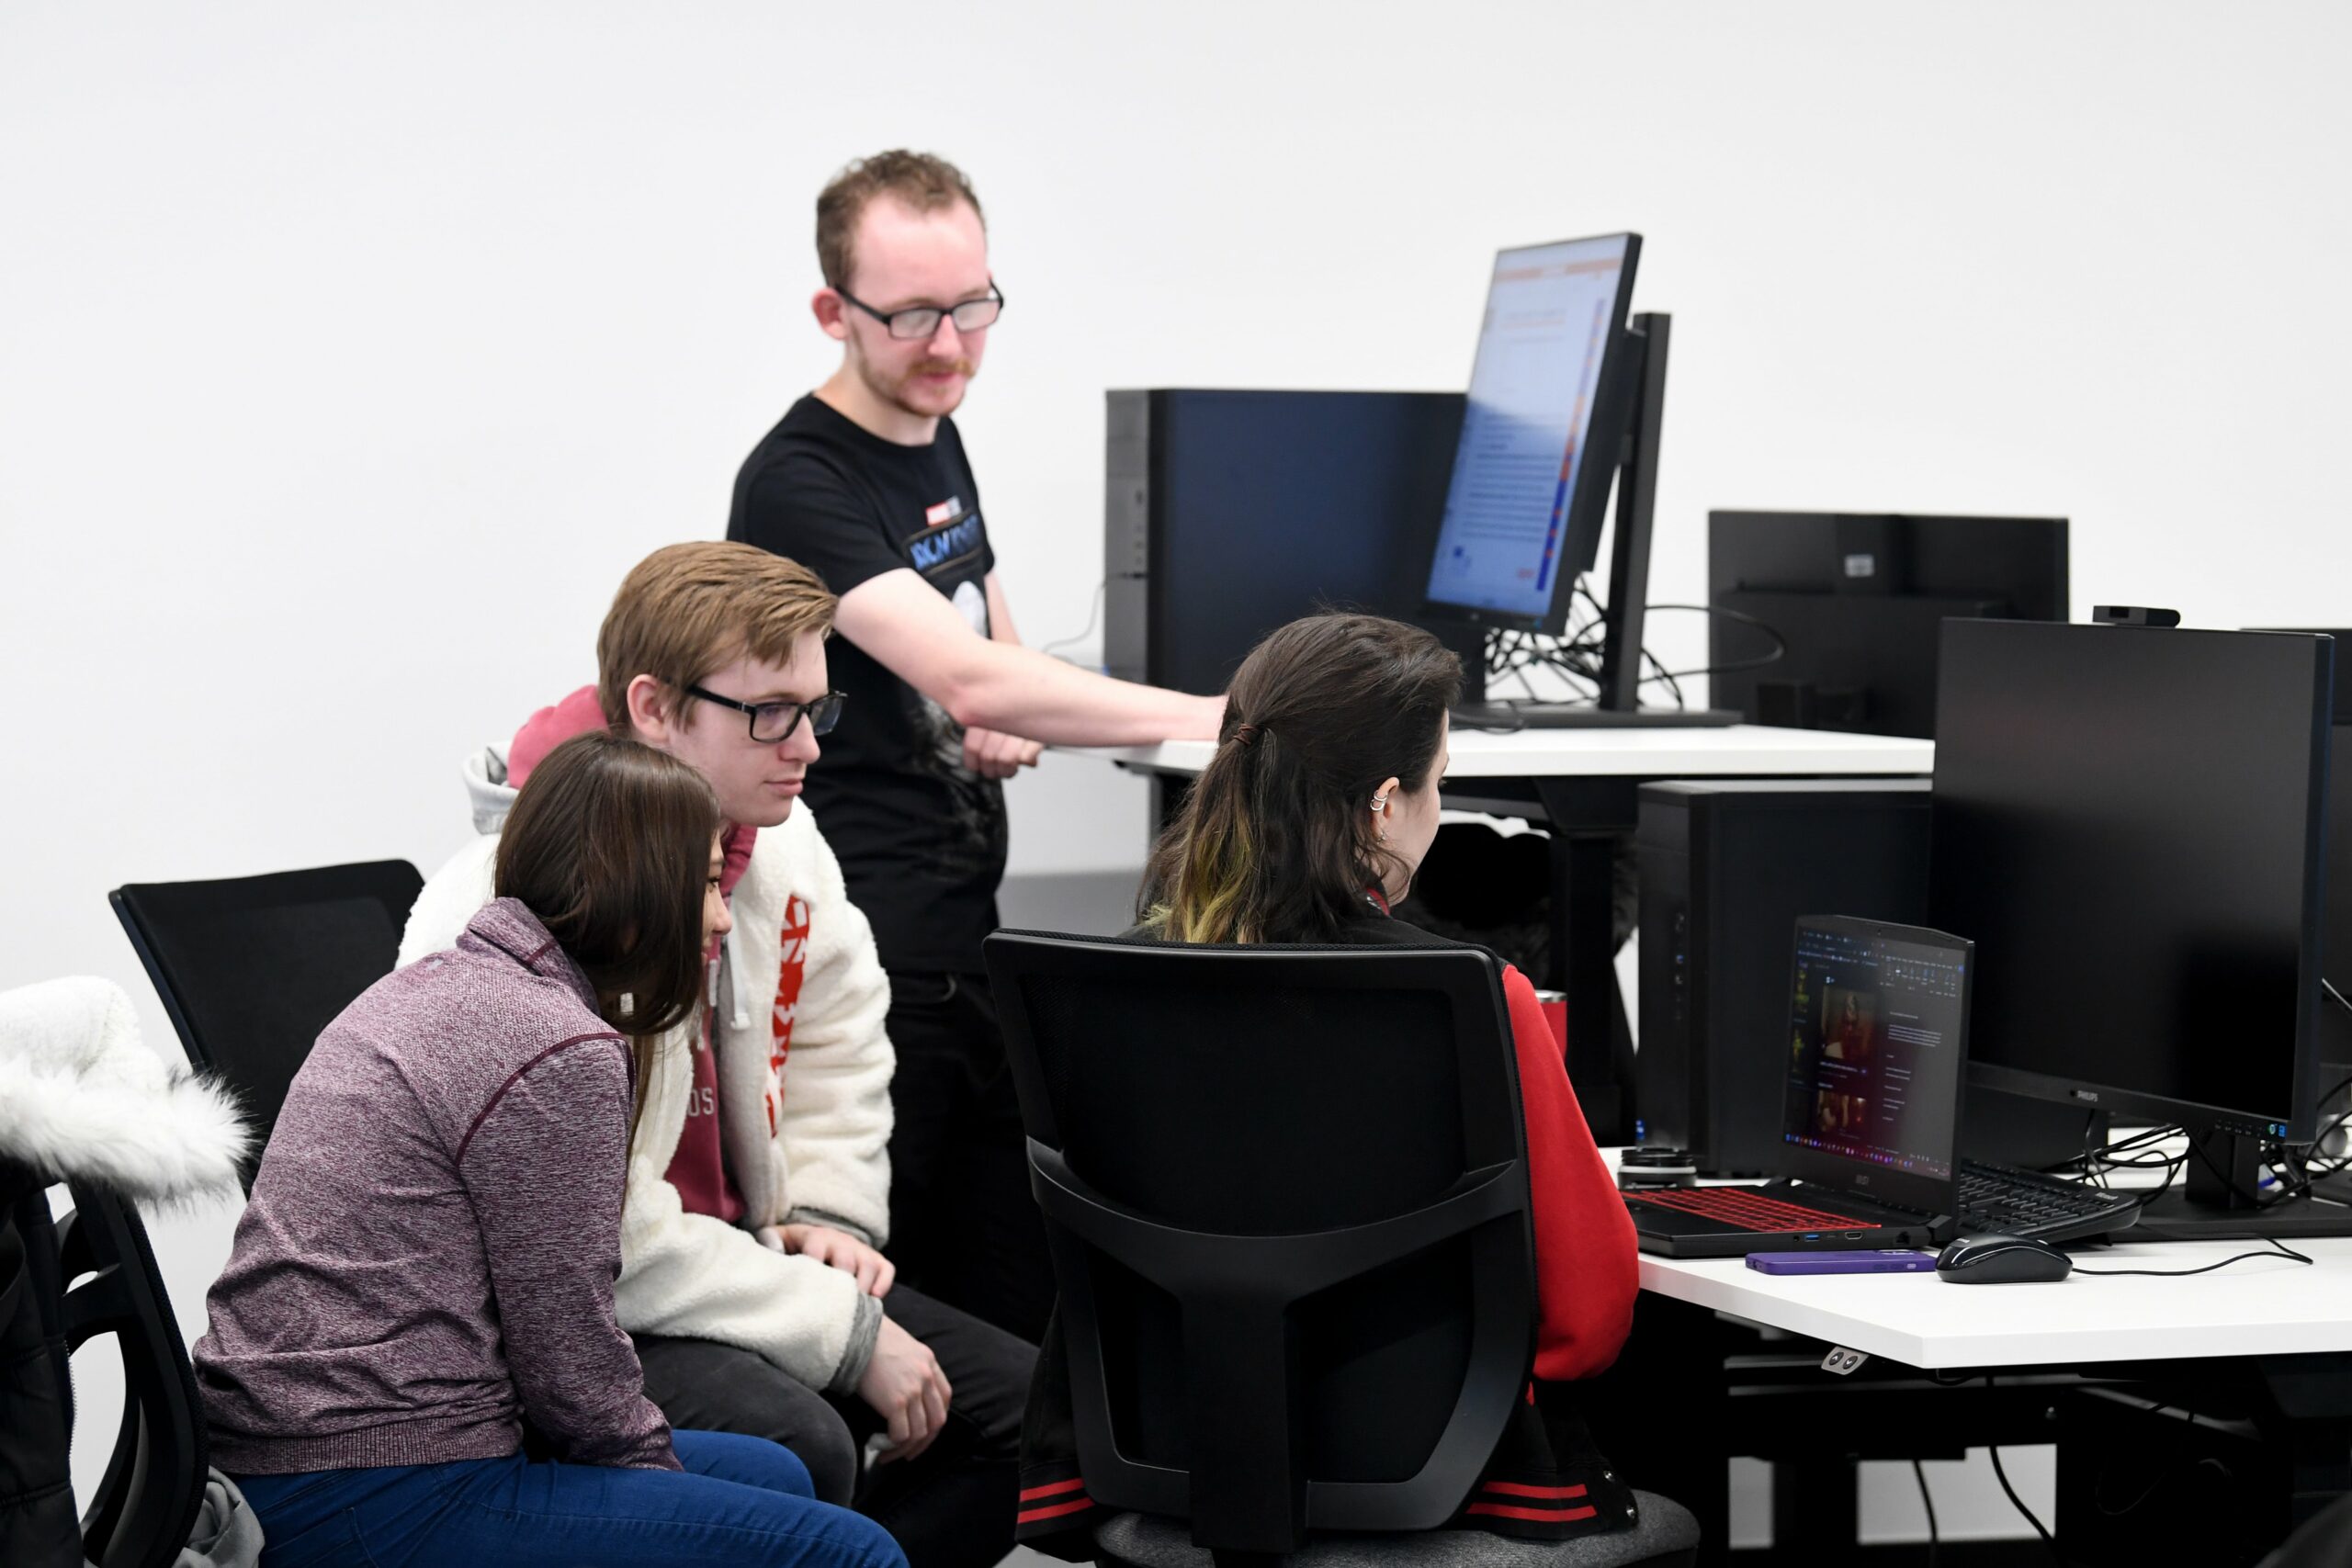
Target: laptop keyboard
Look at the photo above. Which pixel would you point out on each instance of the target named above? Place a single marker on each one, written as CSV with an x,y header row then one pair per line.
x,y
1743,1209
1998,1200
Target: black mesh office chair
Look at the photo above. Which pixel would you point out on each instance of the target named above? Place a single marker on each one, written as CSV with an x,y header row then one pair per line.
x,y
1286,1196
252,968
146,1503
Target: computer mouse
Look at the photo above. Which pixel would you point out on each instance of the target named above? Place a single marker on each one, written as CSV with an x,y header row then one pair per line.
x,y
2001,1261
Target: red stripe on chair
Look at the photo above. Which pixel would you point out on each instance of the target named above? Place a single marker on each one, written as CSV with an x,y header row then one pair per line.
x,y
1075,1483
1537,1515
1513,1489
1034,1516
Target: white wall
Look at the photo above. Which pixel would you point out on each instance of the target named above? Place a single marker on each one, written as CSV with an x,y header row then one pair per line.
x,y
349,354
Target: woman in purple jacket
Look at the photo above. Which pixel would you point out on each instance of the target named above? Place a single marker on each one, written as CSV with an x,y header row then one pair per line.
x,y
413,1356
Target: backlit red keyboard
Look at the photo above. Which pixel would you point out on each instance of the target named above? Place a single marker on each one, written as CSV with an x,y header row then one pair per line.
x,y
1741,1208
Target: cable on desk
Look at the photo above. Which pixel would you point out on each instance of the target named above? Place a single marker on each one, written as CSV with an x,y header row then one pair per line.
x,y
2281,1251
1780,643
1575,656
1094,614
1928,1503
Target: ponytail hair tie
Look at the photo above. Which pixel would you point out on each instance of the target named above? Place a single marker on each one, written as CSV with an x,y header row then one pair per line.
x,y
1245,734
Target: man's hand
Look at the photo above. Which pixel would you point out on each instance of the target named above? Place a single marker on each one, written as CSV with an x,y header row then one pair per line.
x,y
906,1388
993,754
839,1249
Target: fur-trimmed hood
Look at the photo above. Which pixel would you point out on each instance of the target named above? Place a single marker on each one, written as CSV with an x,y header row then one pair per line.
x,y
81,1098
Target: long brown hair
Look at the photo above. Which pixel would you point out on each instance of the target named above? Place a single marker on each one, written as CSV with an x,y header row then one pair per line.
x,y
608,844
1276,841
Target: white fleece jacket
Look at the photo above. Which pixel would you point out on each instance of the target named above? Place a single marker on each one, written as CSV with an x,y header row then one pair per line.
x,y
824,1090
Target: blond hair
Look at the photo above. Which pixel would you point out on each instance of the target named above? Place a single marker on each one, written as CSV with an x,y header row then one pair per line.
x,y
687,610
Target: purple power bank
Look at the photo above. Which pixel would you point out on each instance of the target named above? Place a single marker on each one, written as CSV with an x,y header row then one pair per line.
x,y
1875,1260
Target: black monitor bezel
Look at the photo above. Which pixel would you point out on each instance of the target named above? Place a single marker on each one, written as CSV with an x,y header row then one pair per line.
x,y
2301,1119
1842,1173
1587,509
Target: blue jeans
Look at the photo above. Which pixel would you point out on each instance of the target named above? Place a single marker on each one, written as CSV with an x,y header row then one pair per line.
x,y
742,1501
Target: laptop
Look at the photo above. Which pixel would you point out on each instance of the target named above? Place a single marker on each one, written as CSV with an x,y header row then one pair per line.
x,y
1877,1044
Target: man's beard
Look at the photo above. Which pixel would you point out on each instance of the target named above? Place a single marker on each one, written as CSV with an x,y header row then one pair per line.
x,y
895,392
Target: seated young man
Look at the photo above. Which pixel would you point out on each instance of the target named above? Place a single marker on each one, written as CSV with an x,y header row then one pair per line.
x,y
759,1185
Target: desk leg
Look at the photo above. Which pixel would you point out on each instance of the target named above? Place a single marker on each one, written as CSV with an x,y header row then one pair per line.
x,y
1817,1511
1168,793
2311,1398
1662,1413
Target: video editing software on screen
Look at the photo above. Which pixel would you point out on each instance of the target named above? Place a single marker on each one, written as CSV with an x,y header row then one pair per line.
x,y
1875,1051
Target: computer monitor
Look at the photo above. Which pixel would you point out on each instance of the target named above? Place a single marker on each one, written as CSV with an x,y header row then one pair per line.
x,y
1227,514
1540,442
1831,619
2128,821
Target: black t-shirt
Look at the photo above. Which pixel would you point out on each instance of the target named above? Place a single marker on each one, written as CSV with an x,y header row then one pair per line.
x,y
921,837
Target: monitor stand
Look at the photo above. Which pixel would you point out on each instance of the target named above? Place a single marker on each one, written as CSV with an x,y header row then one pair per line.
x,y
1507,716
1619,706
2214,1209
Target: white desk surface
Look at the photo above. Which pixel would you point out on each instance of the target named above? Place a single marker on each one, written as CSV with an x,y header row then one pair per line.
x,y
2274,1306
2271,1306
1735,751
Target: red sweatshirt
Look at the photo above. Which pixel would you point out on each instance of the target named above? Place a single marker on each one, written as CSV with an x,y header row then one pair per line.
x,y
1586,1268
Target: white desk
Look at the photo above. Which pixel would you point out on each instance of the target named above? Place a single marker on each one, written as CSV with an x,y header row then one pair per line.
x,y
2270,1338
2272,1307
1739,750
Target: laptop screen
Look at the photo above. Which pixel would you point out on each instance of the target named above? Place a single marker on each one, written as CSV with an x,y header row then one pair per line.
x,y
1877,1045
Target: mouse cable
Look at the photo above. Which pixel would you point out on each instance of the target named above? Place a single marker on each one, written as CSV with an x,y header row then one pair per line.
x,y
2281,1251
1928,1503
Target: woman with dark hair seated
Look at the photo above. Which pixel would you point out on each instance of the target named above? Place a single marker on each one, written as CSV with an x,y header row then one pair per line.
x,y
413,1356
1308,826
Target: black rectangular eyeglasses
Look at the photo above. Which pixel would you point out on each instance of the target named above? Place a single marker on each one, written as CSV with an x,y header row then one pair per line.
x,y
772,723
922,320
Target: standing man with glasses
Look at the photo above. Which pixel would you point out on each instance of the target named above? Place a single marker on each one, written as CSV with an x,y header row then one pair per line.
x,y
865,482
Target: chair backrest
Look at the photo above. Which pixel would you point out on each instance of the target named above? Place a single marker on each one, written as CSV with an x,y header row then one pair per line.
x,y
1285,1191
252,968
38,1525
146,1504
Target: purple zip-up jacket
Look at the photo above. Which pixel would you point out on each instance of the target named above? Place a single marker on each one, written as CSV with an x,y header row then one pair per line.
x,y
428,1257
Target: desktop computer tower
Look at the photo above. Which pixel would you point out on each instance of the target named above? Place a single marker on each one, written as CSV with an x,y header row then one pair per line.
x,y
1728,867
1228,513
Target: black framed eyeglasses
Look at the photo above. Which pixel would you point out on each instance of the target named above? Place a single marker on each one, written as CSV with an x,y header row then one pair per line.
x,y
922,320
772,723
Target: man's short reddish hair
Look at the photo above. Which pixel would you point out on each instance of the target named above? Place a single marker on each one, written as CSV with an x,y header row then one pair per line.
x,y
922,180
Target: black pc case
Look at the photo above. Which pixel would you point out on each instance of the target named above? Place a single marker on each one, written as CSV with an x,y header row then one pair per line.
x,y
1728,867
